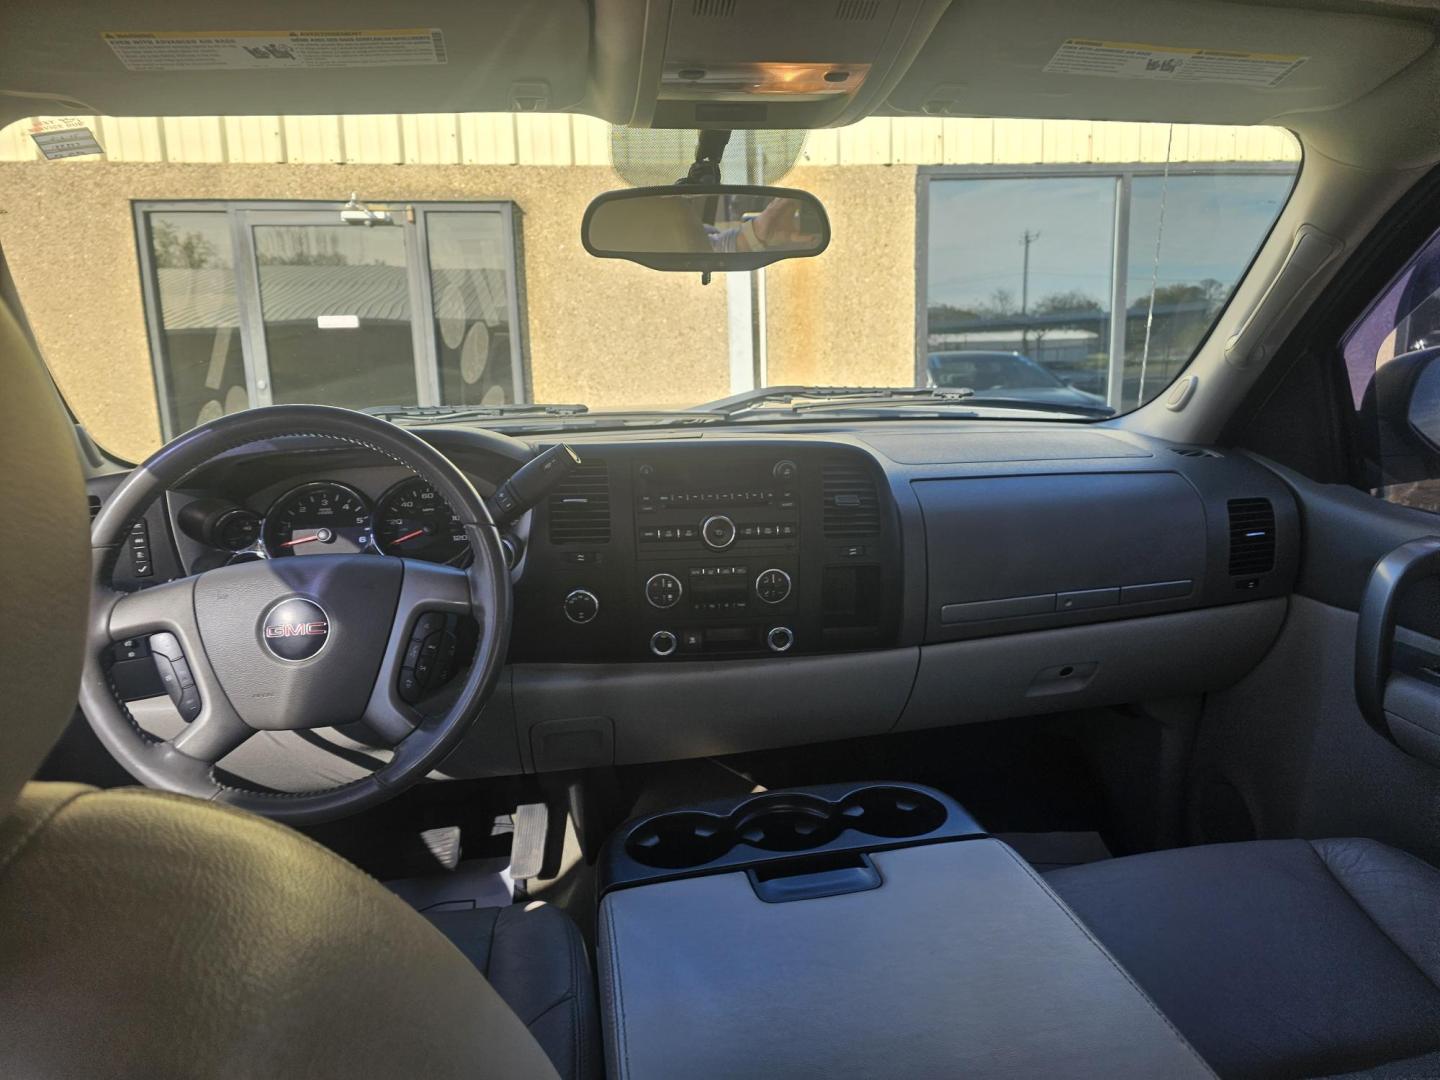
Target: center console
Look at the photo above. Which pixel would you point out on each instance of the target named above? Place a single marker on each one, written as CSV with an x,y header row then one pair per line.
x,y
678,551
719,550
855,931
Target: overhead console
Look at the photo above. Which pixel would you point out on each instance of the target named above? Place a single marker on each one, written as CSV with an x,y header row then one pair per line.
x,y
752,63
671,551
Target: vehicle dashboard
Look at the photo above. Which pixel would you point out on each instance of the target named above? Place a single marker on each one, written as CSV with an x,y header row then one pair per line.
x,y
683,594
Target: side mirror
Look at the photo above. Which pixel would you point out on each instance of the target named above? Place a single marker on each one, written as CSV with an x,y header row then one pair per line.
x,y
1422,411
1400,417
705,227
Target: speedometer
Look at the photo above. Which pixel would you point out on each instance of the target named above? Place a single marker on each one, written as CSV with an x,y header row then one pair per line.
x,y
414,522
318,519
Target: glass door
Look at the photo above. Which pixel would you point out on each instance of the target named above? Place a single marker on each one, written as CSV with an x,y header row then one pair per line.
x,y
332,308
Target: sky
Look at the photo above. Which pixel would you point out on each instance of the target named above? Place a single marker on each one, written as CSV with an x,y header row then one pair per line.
x,y
1213,225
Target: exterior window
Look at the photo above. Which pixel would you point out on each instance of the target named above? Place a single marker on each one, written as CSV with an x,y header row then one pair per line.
x,y
261,303
471,286
1384,357
1028,268
199,362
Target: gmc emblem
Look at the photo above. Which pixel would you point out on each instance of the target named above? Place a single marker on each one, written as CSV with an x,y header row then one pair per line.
x,y
295,629
299,629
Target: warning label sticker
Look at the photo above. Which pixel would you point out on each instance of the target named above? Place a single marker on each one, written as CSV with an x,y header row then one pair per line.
x,y
64,137
1127,60
277,49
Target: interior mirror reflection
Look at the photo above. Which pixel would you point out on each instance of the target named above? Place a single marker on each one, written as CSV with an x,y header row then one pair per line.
x,y
713,227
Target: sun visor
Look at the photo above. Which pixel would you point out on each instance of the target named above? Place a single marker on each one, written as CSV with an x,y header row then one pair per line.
x,y
1166,60
176,57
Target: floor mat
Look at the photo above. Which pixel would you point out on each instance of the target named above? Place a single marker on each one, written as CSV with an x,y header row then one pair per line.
x,y
1047,851
475,883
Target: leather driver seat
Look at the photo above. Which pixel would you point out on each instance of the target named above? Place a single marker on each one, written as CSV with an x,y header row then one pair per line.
x,y
148,935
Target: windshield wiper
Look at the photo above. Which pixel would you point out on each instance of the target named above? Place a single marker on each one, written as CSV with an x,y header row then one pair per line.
x,y
826,396
973,402
423,414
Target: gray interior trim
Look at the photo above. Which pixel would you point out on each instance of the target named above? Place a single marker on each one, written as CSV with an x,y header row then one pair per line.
x,y
962,963
1190,652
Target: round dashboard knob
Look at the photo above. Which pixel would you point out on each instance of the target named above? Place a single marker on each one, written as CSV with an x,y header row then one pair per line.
x,y
581,606
772,586
663,643
718,532
784,470
780,638
663,591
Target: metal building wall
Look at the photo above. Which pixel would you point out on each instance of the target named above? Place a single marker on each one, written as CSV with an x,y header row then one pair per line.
x,y
560,139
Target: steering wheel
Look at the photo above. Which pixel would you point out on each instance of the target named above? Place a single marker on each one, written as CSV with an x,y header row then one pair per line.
x,y
295,643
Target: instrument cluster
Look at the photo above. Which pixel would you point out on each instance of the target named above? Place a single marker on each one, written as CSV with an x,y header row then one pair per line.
x,y
324,517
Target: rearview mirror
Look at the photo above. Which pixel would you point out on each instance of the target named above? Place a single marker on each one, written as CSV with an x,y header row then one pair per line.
x,y
706,227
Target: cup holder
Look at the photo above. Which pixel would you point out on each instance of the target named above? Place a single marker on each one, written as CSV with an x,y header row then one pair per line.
x,y
892,812
785,822
681,840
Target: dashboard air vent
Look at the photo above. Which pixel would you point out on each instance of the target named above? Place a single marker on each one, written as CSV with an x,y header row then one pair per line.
x,y
1252,537
856,10
713,9
580,506
852,508
94,506
1194,451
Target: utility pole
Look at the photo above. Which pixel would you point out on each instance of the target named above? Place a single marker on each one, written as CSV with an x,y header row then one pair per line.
x,y
1026,239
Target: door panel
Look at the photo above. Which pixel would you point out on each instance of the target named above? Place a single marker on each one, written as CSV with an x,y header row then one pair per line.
x,y
1285,752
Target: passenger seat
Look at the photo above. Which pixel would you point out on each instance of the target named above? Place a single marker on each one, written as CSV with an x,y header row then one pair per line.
x,y
1279,958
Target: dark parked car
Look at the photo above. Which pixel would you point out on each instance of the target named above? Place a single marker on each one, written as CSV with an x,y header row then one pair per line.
x,y
1009,375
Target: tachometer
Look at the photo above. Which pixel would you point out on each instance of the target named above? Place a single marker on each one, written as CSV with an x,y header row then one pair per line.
x,y
414,522
318,519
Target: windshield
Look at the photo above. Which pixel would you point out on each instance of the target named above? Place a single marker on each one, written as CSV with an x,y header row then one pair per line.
x,y
176,269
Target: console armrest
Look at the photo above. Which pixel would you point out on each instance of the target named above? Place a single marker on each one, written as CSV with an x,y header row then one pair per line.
x,y
961,963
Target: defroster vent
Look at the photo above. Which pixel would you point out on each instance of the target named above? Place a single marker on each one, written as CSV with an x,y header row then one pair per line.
x,y
852,507
580,506
1252,537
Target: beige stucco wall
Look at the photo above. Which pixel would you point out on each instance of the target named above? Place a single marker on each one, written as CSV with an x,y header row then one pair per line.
x,y
847,318
606,333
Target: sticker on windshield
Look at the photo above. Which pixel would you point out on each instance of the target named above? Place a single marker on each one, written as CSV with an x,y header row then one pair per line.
x,y
64,137
276,49
1127,60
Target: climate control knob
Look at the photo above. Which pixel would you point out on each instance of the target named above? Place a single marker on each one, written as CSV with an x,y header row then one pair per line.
x,y
581,606
780,638
718,532
663,591
663,643
772,586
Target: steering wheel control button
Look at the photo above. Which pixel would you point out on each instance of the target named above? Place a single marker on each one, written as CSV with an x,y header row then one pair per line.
x,y
780,638
773,586
718,532
174,673
664,591
430,656
663,643
295,629
581,606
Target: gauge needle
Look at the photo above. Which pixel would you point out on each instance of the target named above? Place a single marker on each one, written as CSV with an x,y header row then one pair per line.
x,y
408,536
301,540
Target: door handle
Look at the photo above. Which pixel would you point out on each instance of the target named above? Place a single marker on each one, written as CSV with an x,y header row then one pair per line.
x,y
1375,633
